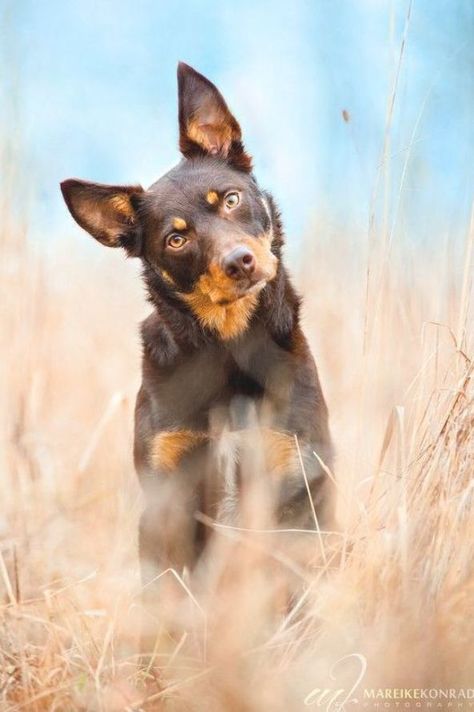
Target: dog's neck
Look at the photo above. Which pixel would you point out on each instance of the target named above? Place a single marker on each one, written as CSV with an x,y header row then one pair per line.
x,y
176,330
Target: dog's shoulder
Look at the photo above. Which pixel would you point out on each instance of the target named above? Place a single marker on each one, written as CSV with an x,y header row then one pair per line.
x,y
158,341
279,309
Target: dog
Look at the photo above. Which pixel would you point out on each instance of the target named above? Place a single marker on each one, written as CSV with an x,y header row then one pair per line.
x,y
226,367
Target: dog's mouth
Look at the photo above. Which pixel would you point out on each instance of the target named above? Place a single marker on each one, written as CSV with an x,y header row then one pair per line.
x,y
240,290
222,290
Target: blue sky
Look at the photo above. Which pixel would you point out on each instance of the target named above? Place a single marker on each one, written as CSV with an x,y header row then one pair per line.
x,y
91,89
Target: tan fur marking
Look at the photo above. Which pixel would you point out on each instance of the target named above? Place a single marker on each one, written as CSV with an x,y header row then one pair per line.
x,y
168,448
279,451
212,197
281,455
229,320
266,260
216,285
121,202
215,299
167,277
179,224
215,137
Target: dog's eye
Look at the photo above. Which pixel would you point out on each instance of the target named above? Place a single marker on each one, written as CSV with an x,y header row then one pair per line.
x,y
231,200
176,241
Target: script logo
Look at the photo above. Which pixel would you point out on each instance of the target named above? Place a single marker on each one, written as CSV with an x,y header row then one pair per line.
x,y
332,699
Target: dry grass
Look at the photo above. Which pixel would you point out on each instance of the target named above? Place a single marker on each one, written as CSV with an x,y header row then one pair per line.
x,y
396,361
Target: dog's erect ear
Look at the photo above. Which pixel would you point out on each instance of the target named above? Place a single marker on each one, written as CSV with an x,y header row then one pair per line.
x,y
206,125
105,211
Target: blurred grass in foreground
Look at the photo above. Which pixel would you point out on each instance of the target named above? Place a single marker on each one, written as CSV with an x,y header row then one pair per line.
x,y
395,359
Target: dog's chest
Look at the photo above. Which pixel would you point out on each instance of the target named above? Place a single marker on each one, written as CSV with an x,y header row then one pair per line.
x,y
217,381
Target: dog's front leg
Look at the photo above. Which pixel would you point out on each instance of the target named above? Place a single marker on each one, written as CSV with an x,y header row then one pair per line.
x,y
169,545
168,549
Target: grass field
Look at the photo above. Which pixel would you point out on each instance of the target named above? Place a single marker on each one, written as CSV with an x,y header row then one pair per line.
x,y
391,328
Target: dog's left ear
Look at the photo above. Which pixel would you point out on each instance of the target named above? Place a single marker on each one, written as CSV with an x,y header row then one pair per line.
x,y
206,125
107,212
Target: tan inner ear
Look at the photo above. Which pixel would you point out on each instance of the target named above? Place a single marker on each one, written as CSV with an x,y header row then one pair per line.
x,y
214,138
121,202
107,218
212,126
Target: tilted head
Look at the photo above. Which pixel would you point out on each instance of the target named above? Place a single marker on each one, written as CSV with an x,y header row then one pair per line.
x,y
204,230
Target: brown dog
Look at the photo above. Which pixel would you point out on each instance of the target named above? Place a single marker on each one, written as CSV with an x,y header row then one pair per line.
x,y
226,367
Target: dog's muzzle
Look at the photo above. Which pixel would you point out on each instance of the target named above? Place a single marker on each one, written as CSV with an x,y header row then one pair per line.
x,y
239,264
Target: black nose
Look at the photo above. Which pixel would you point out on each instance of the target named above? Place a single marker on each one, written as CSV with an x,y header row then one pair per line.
x,y
239,263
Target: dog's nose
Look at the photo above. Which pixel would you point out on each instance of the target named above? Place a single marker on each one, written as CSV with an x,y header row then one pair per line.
x,y
239,263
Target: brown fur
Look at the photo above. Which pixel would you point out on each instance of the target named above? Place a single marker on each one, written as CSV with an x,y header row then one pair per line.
x,y
206,124
226,370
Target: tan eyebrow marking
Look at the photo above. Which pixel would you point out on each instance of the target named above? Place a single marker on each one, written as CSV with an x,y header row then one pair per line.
x,y
179,224
212,197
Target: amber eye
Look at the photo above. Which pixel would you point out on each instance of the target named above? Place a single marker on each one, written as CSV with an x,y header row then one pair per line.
x,y
232,199
176,241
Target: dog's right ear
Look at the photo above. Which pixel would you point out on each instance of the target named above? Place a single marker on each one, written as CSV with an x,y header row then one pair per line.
x,y
107,212
206,126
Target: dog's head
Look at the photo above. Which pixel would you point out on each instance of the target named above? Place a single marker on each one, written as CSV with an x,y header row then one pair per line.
x,y
204,228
